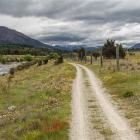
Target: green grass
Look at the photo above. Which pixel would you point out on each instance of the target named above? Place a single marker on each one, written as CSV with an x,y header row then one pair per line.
x,y
118,82
42,99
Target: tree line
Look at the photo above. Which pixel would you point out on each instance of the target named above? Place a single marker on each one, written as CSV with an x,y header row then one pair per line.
x,y
18,49
108,51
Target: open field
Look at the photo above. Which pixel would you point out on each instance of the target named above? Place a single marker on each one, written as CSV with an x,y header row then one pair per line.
x,y
123,86
35,103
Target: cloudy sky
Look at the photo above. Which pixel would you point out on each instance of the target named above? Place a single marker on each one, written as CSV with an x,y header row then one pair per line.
x,y
88,22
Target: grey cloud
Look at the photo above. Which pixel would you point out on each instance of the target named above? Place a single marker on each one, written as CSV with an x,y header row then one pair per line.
x,y
93,19
63,37
98,10
14,7
90,11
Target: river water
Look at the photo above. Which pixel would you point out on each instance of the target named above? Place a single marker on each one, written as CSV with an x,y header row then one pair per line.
x,y
5,68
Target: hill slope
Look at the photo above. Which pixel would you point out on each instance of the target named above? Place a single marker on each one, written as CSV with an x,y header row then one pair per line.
x,y
9,36
73,47
137,46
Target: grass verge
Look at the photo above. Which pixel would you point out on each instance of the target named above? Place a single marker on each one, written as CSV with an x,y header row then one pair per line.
x,y
35,104
124,88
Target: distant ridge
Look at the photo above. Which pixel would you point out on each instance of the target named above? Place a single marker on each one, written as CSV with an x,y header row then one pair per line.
x,y
137,46
73,47
9,36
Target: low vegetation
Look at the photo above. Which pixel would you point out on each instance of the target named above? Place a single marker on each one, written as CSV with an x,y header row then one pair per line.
x,y
35,103
123,85
35,96
28,58
18,49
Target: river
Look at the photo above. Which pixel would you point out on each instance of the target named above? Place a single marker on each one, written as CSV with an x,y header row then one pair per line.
x,y
5,68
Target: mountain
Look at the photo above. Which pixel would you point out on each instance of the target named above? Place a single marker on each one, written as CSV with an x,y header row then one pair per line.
x,y
62,38
9,36
73,47
137,46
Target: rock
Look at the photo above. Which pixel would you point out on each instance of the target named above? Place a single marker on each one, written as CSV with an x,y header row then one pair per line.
x,y
4,116
12,108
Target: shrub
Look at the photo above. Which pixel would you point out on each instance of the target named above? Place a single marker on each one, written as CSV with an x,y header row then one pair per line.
x,y
59,60
53,55
39,62
12,71
3,61
128,94
45,60
4,87
28,58
138,63
25,65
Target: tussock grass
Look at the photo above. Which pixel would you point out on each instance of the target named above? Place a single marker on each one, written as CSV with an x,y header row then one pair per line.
x,y
42,99
124,86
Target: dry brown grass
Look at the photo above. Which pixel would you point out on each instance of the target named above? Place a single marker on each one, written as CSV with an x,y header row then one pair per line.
x,y
54,126
127,80
42,99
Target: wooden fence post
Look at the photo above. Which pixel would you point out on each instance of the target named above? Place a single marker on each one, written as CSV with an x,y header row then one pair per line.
x,y
101,57
91,59
117,58
85,56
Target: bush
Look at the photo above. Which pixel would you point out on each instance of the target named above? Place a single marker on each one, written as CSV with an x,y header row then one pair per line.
x,y
138,63
12,71
45,60
4,86
53,55
39,62
59,60
2,60
28,58
25,65
128,94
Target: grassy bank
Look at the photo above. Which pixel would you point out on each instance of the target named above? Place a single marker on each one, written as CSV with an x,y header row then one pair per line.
x,y
35,104
123,86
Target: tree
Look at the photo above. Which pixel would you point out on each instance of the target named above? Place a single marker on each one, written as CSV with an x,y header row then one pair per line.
x,y
81,54
109,49
96,55
121,51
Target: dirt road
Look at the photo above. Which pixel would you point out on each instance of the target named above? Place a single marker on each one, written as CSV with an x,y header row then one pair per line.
x,y
93,115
